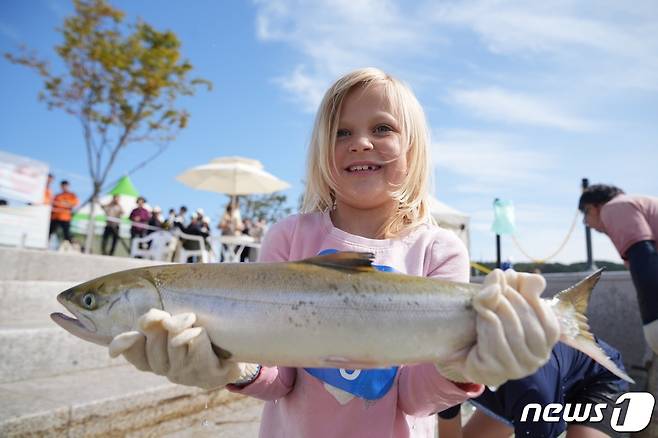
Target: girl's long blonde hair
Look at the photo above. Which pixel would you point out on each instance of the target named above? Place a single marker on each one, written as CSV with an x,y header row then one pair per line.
x,y
412,194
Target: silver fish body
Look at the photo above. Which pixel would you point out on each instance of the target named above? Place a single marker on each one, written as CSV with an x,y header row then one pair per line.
x,y
310,315
327,311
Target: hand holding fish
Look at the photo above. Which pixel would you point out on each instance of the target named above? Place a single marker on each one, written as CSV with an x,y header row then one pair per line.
x,y
172,347
516,331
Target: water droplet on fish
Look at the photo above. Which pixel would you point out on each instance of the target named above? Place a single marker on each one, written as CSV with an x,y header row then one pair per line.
x,y
206,407
205,423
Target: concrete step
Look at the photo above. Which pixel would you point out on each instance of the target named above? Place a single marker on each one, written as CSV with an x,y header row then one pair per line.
x,y
29,264
118,401
37,352
25,302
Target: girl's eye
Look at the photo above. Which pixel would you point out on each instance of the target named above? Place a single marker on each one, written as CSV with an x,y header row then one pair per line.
x,y
342,133
89,301
383,129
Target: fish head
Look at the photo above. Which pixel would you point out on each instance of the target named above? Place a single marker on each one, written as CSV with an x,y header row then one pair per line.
x,y
106,306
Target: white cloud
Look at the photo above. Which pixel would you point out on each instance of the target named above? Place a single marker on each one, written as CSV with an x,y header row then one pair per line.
x,y
488,160
497,104
604,38
609,43
308,90
334,37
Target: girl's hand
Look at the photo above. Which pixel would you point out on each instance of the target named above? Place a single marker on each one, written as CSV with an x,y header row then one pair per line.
x,y
516,331
172,347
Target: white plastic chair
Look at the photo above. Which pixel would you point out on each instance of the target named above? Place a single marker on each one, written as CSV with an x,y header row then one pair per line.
x,y
230,248
161,248
183,254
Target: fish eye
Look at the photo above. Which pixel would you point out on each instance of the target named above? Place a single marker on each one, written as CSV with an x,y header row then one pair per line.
x,y
89,301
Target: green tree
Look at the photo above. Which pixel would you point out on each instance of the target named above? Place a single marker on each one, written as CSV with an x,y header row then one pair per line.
x,y
271,207
121,81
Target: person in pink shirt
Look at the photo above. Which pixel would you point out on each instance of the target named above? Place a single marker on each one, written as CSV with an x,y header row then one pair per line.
x,y
366,191
631,222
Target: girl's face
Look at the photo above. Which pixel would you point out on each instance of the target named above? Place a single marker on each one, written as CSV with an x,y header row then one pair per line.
x,y
371,159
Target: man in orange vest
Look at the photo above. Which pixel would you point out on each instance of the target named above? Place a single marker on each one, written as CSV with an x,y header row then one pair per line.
x,y
63,205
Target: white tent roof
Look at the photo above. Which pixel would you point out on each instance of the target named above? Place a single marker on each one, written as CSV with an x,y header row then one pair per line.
x,y
450,218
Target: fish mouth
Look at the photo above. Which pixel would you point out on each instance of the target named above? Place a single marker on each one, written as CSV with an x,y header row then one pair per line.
x,y
76,328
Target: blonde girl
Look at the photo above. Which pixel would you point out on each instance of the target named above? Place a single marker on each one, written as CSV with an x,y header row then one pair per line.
x,y
366,190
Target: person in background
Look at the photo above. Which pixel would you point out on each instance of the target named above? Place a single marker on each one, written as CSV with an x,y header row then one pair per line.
x,y
113,212
231,222
631,222
248,229
198,225
48,192
139,217
156,222
259,228
569,376
62,212
171,219
179,222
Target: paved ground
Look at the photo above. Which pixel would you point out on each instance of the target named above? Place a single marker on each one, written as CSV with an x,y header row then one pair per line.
x,y
240,419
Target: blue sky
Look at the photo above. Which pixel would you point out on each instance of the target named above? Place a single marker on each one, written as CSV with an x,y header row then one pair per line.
x,y
523,98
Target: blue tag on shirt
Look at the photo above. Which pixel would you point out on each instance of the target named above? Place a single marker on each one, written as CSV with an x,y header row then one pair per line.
x,y
369,384
366,384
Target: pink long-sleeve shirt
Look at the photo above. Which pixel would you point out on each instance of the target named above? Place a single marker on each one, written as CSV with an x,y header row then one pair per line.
x,y
301,405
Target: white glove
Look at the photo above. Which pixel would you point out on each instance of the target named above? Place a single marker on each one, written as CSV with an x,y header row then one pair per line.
x,y
172,347
516,331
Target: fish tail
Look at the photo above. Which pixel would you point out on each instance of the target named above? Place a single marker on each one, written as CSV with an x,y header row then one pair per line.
x,y
571,307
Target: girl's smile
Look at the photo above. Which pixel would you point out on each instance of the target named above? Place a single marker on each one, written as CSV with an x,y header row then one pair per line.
x,y
363,167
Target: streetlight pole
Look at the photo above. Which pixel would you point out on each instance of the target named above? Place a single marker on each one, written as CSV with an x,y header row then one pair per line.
x,y
588,236
497,244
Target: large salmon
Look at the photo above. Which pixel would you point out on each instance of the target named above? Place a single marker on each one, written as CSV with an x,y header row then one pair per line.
x,y
326,311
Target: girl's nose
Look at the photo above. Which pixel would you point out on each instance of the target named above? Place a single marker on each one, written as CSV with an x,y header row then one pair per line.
x,y
361,144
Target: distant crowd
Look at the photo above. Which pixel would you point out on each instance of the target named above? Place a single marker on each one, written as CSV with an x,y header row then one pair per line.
x,y
144,221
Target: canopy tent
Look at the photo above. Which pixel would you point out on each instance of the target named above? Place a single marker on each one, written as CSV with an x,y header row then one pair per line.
x,y
125,187
451,219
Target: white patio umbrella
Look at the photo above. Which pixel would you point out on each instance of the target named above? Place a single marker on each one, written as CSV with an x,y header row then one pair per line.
x,y
232,176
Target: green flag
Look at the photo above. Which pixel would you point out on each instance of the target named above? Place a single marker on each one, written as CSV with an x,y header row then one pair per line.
x,y
124,187
503,217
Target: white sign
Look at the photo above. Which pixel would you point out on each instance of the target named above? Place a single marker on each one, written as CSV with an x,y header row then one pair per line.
x,y
26,226
22,178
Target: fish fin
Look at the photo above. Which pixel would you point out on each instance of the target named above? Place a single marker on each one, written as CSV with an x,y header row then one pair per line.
x,y
350,261
572,304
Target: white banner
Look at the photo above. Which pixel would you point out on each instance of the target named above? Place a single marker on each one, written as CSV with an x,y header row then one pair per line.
x,y
25,226
22,178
